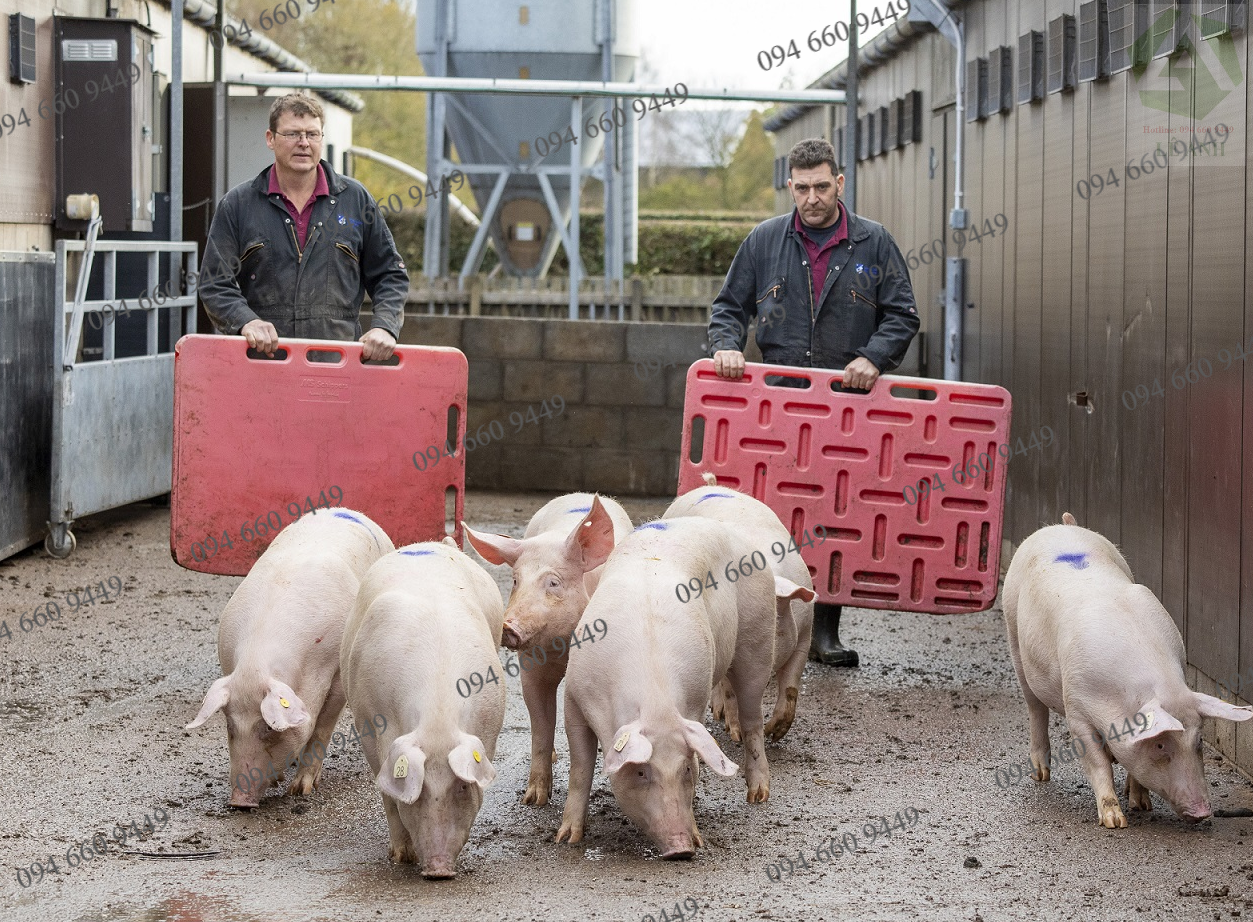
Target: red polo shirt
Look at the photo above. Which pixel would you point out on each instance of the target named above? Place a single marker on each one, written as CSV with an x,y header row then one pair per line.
x,y
301,217
820,256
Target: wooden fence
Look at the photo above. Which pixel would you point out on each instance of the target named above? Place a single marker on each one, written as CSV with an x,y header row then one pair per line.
x,y
659,298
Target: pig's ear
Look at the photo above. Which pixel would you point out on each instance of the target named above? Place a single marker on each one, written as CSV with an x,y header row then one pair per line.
x,y
402,771
1160,721
1209,706
495,549
591,542
630,746
786,589
706,747
282,708
469,762
219,693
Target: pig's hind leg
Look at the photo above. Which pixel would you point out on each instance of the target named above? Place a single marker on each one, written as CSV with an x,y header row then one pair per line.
x,y
1099,768
1037,710
308,776
788,680
748,682
1137,795
583,743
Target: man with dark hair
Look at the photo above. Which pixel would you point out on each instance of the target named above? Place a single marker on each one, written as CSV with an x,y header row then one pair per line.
x,y
830,290
289,254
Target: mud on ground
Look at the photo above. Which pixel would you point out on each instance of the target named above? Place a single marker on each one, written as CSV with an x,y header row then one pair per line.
x,y
92,709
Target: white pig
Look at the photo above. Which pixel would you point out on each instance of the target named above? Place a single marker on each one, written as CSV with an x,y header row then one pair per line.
x,y
549,595
278,645
1094,646
427,616
643,688
794,619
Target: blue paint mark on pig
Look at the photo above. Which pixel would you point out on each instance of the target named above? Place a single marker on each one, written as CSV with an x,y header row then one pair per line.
x,y
715,496
660,526
414,553
1078,561
580,509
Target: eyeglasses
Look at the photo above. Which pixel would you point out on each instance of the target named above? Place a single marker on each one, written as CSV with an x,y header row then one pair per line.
x,y
297,135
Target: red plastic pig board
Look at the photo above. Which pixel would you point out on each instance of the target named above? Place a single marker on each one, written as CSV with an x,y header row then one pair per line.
x,y
842,460
253,435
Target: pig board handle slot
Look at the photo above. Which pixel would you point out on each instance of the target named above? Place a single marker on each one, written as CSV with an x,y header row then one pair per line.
x,y
696,447
392,361
280,355
796,382
914,393
321,356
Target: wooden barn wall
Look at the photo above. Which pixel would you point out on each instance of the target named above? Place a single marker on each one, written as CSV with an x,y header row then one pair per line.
x,y
1082,300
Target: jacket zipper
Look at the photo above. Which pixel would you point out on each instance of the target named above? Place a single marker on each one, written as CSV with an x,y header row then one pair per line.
x,y
255,246
864,298
349,251
769,293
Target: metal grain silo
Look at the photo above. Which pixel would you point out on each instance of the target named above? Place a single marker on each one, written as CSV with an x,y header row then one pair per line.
x,y
495,135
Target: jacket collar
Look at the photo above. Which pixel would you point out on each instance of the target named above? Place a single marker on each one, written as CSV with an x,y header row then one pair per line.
x,y
857,229
336,182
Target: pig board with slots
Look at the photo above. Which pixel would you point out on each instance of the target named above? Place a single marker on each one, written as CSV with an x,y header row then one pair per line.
x,y
851,462
260,441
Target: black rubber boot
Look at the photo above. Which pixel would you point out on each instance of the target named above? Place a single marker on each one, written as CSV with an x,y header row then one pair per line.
x,y
825,647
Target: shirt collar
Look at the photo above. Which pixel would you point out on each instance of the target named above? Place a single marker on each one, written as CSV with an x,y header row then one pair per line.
x,y
320,189
841,226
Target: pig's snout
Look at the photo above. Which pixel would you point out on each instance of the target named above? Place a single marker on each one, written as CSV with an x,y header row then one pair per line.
x,y
243,800
1197,812
512,637
440,867
679,847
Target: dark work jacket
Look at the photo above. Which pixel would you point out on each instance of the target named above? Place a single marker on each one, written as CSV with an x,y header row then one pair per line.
x,y
311,294
770,278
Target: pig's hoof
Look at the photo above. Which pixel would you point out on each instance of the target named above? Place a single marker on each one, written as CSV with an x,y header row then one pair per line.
x,y
303,784
537,793
1138,796
1040,771
402,854
734,732
778,726
570,832
759,794
1110,814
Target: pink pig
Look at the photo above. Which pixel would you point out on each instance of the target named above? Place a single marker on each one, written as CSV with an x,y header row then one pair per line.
x,y
549,595
794,618
278,644
642,690
1099,649
426,619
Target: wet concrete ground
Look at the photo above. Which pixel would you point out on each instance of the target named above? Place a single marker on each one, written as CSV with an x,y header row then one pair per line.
x,y
92,709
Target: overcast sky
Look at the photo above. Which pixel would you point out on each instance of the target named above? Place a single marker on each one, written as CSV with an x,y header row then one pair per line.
x,y
715,42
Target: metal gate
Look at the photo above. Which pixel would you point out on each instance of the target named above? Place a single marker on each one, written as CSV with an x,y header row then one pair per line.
x,y
113,416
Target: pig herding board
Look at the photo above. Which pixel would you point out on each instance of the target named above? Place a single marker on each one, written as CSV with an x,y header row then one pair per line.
x,y
843,460
252,435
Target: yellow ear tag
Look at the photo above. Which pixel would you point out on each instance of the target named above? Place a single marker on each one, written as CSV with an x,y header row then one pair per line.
x,y
401,769
477,757
621,741
284,702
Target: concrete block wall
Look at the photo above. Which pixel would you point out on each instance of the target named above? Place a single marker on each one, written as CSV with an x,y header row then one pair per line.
x,y
618,434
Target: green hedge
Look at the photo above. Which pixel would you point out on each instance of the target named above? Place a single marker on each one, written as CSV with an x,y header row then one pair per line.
x,y
667,247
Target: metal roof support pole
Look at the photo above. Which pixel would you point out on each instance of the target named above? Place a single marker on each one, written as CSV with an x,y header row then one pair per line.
x,y
613,236
432,244
175,160
850,109
950,24
572,251
219,112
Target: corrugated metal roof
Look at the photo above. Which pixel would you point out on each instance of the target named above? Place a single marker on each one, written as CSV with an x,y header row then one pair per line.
x,y
887,45
205,14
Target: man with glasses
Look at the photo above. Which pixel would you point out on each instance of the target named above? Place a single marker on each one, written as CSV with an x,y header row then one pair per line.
x,y
829,289
293,252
